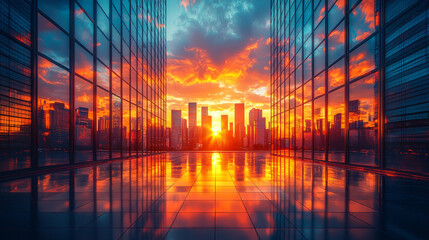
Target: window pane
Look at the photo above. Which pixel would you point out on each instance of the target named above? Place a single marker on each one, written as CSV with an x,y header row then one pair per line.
x,y
362,22
362,59
125,91
307,91
308,137
336,14
363,121
319,128
84,29
83,117
83,63
57,10
319,34
125,128
116,126
336,125
103,76
319,59
53,42
116,85
103,124
88,6
133,139
336,42
103,44
298,132
319,13
307,69
53,113
103,21
336,75
319,85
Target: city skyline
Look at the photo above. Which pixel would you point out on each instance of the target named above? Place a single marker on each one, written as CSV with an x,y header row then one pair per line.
x,y
234,134
214,67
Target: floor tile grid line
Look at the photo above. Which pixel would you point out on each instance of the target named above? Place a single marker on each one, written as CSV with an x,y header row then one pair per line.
x,y
143,214
150,208
254,227
178,211
291,224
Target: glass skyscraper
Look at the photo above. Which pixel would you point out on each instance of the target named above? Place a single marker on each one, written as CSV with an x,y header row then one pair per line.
x,y
350,82
81,81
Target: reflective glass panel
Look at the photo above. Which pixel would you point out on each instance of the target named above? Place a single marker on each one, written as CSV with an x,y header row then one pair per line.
x,y
319,84
336,41
84,28
362,22
83,63
103,76
125,128
116,126
103,124
336,125
307,127
336,75
319,59
53,113
362,59
83,117
57,10
319,128
363,120
53,42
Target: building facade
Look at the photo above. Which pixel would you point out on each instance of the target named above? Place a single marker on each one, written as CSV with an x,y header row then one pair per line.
x,y
176,130
240,125
193,131
81,81
349,82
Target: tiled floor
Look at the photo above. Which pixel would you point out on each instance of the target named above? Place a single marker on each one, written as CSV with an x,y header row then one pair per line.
x,y
213,196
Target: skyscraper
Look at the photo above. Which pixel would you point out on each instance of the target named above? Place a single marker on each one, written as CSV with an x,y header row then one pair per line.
x,y
176,129
204,115
99,70
184,133
240,127
224,131
344,78
255,118
192,118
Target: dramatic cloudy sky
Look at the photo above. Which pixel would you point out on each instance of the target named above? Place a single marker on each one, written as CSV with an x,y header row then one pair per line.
x,y
218,55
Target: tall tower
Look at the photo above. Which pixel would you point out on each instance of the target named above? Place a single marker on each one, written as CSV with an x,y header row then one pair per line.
x,y
239,123
192,118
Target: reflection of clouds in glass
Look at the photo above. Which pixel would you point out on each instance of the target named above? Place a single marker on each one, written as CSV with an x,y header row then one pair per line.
x,y
336,76
53,42
83,63
57,10
83,28
362,60
362,21
53,84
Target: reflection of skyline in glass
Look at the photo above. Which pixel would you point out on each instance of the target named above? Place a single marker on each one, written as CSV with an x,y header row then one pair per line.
x,y
358,78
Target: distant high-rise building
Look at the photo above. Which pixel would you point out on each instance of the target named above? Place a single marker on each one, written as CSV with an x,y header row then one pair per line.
x,y
204,115
224,131
224,122
176,129
240,127
184,133
192,119
255,118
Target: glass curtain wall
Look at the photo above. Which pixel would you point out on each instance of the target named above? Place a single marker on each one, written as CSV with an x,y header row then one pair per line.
x,y
88,85
334,76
